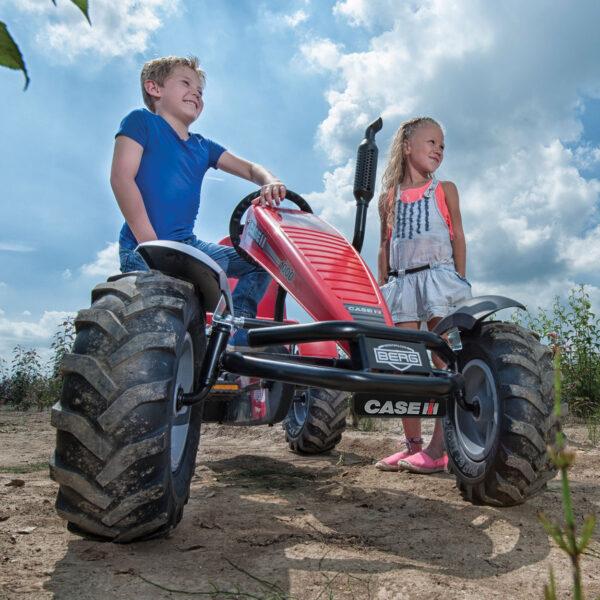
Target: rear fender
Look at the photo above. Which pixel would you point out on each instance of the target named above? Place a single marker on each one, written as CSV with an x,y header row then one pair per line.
x,y
471,312
186,262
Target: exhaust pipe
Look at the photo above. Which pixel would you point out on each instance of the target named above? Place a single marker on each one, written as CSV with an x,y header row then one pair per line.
x,y
364,180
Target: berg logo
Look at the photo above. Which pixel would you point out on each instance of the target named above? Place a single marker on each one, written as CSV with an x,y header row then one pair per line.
x,y
397,356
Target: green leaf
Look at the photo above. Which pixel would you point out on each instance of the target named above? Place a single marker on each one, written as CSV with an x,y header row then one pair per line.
x,y
586,532
550,589
82,5
10,55
554,531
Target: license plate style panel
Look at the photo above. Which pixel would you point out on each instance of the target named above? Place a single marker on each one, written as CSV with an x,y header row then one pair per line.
x,y
394,357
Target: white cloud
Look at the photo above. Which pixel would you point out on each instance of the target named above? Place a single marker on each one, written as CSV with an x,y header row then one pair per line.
x,y
29,334
276,21
359,13
15,247
105,264
533,296
26,313
29,330
118,28
35,6
587,156
67,274
295,18
322,54
583,254
335,203
523,223
510,104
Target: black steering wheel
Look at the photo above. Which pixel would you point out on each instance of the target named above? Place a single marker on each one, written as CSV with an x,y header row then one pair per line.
x,y
235,223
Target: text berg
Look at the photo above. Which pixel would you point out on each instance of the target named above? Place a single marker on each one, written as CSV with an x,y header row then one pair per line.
x,y
400,407
384,355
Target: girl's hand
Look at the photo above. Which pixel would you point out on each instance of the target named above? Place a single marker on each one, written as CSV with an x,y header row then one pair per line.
x,y
271,194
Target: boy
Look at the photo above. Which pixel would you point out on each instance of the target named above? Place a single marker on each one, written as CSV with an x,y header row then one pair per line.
x,y
157,172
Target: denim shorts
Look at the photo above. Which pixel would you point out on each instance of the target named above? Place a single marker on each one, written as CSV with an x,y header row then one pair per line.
x,y
426,294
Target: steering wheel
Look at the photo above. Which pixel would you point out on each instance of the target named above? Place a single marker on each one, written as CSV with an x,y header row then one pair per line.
x,y
235,223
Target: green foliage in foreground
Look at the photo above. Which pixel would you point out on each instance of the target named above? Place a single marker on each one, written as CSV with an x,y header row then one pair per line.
x,y
29,383
573,331
10,54
566,536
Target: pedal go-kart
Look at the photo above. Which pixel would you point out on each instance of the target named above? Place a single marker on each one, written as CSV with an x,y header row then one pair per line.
x,y
149,365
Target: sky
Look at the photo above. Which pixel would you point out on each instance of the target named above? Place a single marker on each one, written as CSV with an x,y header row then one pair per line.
x,y
292,84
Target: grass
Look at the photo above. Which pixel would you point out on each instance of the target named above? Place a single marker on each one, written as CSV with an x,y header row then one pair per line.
x,y
23,469
592,423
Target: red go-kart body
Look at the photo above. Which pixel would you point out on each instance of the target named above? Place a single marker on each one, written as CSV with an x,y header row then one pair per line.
x,y
316,264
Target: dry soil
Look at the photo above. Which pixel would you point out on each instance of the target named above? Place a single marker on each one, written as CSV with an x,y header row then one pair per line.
x,y
265,523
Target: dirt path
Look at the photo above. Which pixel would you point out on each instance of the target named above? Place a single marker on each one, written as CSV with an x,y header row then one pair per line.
x,y
265,523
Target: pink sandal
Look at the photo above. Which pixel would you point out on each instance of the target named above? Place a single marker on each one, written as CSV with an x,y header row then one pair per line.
x,y
421,462
390,463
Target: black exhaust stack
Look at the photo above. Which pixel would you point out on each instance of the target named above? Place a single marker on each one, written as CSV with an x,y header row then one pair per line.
x,y
364,180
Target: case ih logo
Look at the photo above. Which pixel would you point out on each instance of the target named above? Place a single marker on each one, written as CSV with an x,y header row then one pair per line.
x,y
398,357
256,234
259,237
365,310
376,407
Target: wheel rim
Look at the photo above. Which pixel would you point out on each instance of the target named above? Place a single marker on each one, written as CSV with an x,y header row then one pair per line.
x,y
477,430
300,408
181,418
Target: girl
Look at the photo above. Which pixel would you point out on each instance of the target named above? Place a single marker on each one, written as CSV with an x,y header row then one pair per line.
x,y
422,257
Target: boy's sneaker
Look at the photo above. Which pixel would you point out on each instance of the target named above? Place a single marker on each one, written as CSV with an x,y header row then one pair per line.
x,y
238,342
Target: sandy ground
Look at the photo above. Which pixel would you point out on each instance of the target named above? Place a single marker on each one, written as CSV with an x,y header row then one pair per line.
x,y
265,523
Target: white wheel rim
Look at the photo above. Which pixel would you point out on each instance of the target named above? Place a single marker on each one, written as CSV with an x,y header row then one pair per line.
x,y
477,431
181,418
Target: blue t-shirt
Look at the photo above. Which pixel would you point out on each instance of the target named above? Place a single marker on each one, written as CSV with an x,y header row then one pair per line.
x,y
170,174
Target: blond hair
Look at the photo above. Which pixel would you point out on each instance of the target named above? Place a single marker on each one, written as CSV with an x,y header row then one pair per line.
x,y
160,68
394,172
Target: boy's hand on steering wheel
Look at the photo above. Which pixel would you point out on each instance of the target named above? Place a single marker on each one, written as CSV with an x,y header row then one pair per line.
x,y
271,194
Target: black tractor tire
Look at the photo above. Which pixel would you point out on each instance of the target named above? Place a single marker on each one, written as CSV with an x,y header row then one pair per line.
x,y
316,420
498,455
124,455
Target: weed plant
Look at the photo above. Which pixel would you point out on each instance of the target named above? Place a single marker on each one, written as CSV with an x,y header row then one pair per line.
x,y
574,330
28,382
566,536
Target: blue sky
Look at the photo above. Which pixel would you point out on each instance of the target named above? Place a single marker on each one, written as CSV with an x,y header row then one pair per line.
x,y
292,84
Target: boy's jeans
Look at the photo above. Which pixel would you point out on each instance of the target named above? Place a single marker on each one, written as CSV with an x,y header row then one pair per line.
x,y
252,280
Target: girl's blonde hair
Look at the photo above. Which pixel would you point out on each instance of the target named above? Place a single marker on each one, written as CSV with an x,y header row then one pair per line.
x,y
394,172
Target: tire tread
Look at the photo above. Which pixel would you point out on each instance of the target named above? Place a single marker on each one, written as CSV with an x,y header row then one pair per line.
x,y
520,467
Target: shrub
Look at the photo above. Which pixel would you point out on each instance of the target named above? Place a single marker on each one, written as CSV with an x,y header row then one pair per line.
x,y
29,383
574,329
